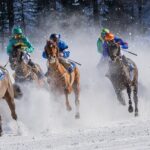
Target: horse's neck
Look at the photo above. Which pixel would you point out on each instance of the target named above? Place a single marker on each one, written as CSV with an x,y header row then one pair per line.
x,y
23,68
122,67
57,68
116,67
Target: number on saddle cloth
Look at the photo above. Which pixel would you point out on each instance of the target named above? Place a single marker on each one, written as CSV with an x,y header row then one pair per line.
x,y
2,74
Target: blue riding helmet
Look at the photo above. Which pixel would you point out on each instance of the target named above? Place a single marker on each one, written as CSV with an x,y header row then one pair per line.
x,y
54,36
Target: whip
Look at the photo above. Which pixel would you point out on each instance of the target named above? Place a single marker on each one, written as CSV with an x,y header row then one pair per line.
x,y
74,62
131,53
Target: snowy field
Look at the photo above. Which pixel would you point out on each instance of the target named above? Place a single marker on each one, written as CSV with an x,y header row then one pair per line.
x,y
44,124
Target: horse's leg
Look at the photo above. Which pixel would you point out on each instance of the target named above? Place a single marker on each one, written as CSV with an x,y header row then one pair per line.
x,y
0,126
68,107
135,97
10,101
120,96
118,92
76,89
17,91
130,109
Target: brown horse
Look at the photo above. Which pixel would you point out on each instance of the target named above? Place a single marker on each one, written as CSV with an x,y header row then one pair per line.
x,y
7,92
122,76
23,71
61,80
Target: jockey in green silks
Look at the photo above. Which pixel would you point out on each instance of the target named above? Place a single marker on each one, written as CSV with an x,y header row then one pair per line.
x,y
19,39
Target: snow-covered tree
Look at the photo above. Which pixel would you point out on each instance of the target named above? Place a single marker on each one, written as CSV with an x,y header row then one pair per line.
x,y
26,14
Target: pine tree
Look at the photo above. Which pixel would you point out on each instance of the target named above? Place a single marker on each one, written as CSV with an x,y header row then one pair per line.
x,y
26,14
4,23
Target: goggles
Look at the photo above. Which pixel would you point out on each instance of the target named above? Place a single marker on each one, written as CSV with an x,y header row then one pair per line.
x,y
17,36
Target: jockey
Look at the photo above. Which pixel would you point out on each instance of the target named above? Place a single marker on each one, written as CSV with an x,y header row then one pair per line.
x,y
102,42
64,53
18,38
106,35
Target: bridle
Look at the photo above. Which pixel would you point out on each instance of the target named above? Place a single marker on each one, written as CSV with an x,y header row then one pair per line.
x,y
113,50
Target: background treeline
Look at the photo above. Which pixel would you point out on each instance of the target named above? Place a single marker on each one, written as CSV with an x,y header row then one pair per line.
x,y
32,15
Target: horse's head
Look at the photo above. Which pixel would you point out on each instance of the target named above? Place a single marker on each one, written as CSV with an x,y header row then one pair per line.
x,y
17,54
16,57
51,50
113,50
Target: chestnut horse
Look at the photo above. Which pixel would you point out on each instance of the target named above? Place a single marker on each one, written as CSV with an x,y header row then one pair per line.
x,y
7,92
122,76
61,80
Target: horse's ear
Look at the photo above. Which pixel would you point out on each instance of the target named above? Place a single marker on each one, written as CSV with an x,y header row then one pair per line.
x,y
47,41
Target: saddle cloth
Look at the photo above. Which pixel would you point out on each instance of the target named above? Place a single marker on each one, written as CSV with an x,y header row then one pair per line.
x,y
2,74
131,69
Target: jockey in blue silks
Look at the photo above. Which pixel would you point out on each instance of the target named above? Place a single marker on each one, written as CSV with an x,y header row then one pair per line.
x,y
64,53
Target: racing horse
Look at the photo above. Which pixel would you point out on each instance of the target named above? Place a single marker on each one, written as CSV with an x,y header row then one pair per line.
x,y
61,80
8,91
123,74
19,63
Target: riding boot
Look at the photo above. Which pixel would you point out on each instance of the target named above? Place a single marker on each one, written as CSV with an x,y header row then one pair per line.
x,y
70,66
64,62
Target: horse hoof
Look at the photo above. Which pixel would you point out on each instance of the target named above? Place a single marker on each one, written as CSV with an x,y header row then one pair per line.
x,y
14,116
69,108
123,103
136,114
77,116
130,109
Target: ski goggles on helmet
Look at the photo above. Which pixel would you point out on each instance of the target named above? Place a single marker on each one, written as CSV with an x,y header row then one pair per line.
x,y
18,36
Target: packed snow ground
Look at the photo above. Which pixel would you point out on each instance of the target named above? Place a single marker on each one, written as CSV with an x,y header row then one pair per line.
x,y
127,135
43,122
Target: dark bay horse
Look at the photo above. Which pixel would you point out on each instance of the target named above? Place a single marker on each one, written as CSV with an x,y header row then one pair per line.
x,y
23,71
61,80
122,76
